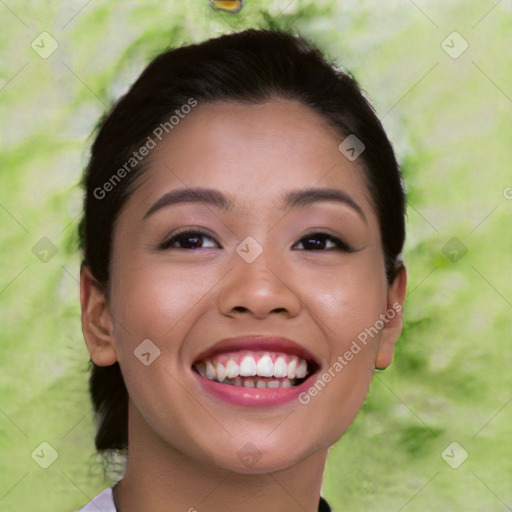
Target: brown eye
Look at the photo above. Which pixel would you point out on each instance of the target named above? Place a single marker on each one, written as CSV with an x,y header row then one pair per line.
x,y
188,240
323,242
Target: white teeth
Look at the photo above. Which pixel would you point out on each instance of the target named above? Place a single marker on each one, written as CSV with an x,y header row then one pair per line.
x,y
210,370
280,367
230,372
201,368
221,372
265,367
240,382
248,367
290,373
232,369
302,370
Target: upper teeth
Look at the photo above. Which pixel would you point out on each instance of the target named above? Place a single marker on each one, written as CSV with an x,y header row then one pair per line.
x,y
253,365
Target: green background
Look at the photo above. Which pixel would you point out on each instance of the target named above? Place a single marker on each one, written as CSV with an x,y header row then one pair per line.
x,y
450,122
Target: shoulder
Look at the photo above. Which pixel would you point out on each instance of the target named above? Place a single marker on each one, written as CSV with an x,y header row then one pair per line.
x,y
103,501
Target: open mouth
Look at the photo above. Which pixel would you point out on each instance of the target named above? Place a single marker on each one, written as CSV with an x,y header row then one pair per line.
x,y
256,369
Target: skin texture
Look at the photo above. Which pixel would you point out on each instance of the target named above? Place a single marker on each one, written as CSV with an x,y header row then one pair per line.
x,y
184,443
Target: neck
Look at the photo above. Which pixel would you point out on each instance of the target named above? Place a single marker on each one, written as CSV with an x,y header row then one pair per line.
x,y
160,478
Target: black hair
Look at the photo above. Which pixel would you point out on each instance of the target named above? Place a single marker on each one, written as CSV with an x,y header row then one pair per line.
x,y
251,66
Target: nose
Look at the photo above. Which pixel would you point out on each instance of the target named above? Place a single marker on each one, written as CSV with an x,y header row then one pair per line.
x,y
259,289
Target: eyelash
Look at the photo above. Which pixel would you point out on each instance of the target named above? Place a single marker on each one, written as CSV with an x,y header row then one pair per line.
x,y
340,244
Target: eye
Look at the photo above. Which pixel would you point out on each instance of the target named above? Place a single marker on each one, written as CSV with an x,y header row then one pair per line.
x,y
191,239
195,239
324,242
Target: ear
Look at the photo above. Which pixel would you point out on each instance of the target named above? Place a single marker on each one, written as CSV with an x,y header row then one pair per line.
x,y
96,320
393,319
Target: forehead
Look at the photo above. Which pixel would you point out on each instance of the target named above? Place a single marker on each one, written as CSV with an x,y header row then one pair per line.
x,y
254,153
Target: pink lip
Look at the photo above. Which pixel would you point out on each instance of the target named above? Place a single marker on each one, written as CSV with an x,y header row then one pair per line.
x,y
256,396
258,343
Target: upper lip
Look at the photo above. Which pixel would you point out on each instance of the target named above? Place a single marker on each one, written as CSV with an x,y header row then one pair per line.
x,y
260,343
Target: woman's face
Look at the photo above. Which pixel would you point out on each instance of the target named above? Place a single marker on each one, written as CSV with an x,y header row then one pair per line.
x,y
257,273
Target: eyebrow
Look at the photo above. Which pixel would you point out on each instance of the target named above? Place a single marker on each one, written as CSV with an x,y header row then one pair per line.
x,y
292,199
300,198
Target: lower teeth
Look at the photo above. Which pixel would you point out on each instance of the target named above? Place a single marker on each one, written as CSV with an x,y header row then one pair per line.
x,y
259,383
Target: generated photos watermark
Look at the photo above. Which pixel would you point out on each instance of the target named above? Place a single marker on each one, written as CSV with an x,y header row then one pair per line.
x,y
343,360
137,156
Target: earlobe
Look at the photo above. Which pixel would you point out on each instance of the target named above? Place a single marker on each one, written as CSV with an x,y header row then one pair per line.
x,y
393,319
96,320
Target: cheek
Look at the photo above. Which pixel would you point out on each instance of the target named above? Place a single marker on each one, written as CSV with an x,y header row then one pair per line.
x,y
154,302
350,302
160,302
350,305
152,299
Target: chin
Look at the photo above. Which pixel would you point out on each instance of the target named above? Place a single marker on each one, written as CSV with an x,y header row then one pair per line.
x,y
259,454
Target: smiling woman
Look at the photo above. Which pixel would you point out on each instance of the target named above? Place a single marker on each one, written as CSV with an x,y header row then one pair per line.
x,y
226,275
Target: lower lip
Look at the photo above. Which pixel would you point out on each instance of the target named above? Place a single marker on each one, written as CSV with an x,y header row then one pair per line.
x,y
239,395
